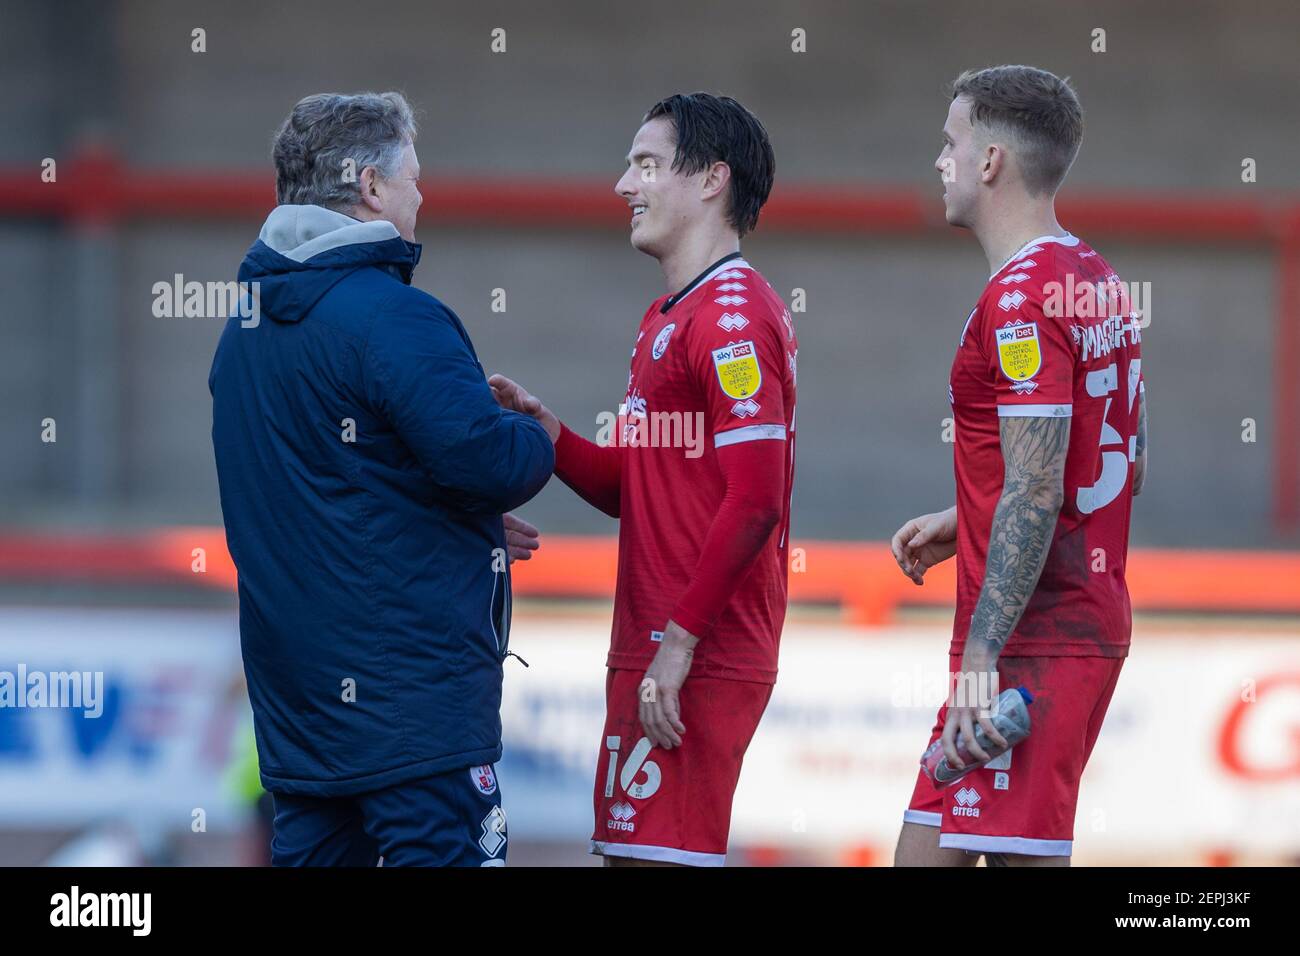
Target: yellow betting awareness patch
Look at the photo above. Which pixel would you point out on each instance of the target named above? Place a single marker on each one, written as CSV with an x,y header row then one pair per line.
x,y
738,371
1018,351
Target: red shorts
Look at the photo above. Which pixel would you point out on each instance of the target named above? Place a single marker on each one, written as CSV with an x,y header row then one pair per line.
x,y
673,805
1023,802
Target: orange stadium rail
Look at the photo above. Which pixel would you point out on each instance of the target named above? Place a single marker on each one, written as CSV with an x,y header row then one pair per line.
x,y
859,577
94,189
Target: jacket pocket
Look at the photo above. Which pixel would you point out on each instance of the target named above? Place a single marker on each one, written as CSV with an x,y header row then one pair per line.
x,y
499,610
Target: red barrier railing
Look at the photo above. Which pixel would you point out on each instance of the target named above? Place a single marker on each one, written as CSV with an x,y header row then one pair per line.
x,y
859,577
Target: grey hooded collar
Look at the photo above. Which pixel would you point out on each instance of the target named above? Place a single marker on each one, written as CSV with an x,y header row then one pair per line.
x,y
301,232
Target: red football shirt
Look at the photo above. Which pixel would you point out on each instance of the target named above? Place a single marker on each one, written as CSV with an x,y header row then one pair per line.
x,y
712,366
1052,335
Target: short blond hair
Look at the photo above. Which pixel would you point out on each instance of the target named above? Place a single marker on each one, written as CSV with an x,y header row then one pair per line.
x,y
1037,109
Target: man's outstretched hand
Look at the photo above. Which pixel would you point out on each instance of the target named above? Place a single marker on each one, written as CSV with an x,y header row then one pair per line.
x,y
925,541
522,539
513,396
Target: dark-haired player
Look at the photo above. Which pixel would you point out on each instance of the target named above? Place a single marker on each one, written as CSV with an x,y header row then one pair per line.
x,y
1047,397
703,533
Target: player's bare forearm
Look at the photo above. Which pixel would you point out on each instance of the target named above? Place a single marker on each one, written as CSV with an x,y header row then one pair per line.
x,y
1140,457
658,706
1033,452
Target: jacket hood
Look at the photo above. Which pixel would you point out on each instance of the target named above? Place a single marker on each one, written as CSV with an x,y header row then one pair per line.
x,y
304,251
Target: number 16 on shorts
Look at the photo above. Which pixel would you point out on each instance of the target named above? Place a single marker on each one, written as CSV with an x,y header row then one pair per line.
x,y
636,762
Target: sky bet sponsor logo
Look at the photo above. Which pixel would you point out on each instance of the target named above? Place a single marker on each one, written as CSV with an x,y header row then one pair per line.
x,y
75,908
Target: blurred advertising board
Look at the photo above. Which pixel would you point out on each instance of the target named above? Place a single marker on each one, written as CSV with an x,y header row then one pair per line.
x,y
1201,746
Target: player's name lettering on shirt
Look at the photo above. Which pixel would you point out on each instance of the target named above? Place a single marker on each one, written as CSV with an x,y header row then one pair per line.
x,y
1105,336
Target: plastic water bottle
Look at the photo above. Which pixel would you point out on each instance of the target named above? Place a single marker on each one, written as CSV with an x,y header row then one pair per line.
x,y
1010,718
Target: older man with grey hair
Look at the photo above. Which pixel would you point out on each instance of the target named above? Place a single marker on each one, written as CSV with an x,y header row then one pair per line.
x,y
365,469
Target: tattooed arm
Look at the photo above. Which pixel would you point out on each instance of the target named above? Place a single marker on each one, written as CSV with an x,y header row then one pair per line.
x,y
1140,459
1033,490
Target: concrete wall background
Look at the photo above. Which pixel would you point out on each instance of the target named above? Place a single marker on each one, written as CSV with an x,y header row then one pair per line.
x,y
1185,91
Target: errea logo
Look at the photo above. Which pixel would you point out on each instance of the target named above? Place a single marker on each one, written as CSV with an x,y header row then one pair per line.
x,y
966,798
1011,300
621,814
